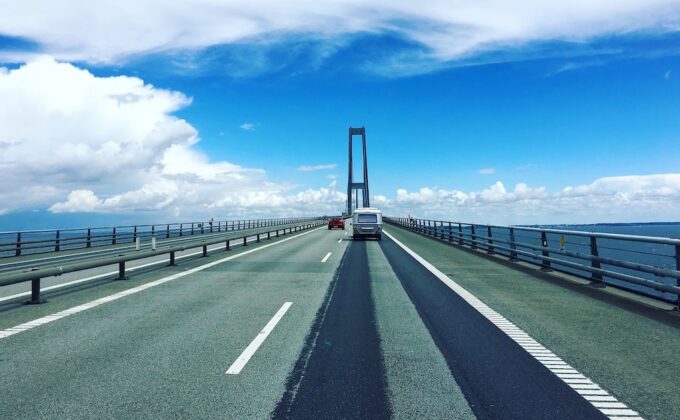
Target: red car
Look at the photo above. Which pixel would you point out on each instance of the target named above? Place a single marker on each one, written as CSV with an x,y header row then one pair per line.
x,y
336,222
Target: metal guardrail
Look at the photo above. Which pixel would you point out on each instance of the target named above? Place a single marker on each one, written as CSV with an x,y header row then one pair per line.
x,y
18,243
34,275
647,265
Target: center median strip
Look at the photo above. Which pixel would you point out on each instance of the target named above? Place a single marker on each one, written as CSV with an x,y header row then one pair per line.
x,y
76,309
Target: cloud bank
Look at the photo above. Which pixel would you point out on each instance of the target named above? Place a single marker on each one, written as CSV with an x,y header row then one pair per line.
x,y
444,29
74,142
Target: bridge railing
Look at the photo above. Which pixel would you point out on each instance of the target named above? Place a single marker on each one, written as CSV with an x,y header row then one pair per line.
x,y
646,265
34,275
25,242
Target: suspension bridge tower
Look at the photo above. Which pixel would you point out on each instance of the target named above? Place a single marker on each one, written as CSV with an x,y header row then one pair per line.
x,y
353,188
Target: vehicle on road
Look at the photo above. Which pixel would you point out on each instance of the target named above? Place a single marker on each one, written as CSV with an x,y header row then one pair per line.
x,y
367,223
336,222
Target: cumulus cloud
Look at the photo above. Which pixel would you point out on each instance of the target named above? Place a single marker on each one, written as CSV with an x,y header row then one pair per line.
x,y
74,142
611,199
446,29
247,126
487,171
310,168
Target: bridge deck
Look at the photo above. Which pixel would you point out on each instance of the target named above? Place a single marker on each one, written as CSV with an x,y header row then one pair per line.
x,y
370,333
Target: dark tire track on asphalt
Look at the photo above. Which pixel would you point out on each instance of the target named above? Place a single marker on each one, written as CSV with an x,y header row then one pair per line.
x,y
340,372
498,378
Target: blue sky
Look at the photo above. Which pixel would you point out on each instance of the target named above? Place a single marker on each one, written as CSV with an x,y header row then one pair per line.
x,y
585,121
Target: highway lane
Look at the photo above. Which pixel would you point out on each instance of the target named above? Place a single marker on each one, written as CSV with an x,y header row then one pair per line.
x,y
20,291
369,333
163,352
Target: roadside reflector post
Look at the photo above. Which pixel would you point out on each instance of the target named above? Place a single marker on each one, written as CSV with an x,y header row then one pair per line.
x,y
137,243
227,246
269,235
113,237
245,242
56,243
258,237
153,242
181,229
167,231
677,267
596,279
489,243
134,234
545,264
36,299
205,250
277,233
172,258
513,246
18,250
121,271
473,241
89,238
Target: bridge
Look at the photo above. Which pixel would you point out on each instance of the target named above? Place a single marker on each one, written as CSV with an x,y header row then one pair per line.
x,y
284,318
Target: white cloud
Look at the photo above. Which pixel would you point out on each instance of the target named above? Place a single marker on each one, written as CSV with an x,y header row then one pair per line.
x,y
449,29
74,142
487,171
310,168
247,126
612,199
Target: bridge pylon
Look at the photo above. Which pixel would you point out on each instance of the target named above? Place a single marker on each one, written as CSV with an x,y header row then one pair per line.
x,y
354,187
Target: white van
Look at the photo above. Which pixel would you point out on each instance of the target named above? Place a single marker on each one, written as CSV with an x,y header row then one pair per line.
x,y
367,222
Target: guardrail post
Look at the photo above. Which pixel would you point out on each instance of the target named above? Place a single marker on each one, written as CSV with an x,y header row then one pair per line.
x,y
245,242
450,233
513,246
489,243
441,230
18,250
192,229
202,228
269,235
205,250
461,240
121,271
474,237
36,299
596,279
258,237
545,264
167,231
219,226
277,233
172,258
181,229
57,244
89,238
134,235
113,237
677,267
227,247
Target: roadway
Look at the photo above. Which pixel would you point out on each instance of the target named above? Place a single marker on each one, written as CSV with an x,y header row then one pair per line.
x,y
315,325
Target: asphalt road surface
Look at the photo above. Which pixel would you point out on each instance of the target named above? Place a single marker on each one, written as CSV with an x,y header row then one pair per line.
x,y
310,325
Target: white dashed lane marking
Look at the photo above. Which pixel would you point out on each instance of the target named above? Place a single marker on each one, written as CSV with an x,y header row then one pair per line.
x,y
588,389
326,257
243,359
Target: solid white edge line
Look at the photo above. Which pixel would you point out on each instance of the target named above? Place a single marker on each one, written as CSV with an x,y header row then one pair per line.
x,y
74,310
502,323
243,359
111,273
326,257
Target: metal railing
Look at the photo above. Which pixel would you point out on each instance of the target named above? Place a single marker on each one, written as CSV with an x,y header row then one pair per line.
x,y
646,265
25,242
34,275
